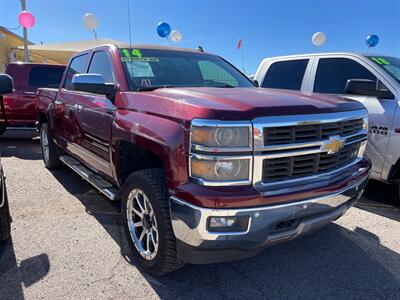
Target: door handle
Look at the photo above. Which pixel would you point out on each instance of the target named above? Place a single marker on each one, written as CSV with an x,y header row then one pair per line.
x,y
78,107
29,93
58,102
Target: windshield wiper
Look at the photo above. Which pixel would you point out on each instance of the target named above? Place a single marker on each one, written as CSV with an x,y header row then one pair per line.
x,y
222,86
152,88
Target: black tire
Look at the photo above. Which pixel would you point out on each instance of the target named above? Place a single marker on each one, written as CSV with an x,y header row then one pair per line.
x,y
152,183
52,160
5,220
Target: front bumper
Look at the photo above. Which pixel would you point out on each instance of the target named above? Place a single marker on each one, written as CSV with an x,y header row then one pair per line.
x,y
267,225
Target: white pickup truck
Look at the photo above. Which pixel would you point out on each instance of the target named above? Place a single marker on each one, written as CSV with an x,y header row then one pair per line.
x,y
371,79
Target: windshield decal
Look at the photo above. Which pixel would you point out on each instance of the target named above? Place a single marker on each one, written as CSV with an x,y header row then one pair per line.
x,y
380,60
136,55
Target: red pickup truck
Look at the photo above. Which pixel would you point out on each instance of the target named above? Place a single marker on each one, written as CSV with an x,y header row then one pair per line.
x,y
19,108
208,167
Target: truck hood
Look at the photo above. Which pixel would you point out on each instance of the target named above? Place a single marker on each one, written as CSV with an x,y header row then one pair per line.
x,y
243,103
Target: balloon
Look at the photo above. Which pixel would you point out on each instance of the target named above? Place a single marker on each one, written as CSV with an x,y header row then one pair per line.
x,y
163,29
90,21
176,36
26,19
318,39
372,40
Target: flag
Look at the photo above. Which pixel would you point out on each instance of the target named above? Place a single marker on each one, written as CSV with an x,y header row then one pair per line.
x,y
239,44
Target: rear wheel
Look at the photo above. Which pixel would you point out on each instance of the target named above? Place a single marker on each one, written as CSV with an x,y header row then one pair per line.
x,y
147,223
49,149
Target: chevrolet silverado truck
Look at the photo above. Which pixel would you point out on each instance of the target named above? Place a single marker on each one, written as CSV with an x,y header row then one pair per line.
x,y
18,108
374,80
208,167
6,87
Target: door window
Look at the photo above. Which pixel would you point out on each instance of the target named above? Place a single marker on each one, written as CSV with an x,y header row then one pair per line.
x,y
49,77
77,66
101,64
286,75
333,73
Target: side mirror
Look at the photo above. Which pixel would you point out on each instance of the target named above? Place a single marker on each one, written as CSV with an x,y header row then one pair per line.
x,y
6,84
366,87
93,83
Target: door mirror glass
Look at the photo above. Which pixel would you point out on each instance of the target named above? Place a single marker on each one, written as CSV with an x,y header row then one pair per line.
x,y
366,87
93,83
6,84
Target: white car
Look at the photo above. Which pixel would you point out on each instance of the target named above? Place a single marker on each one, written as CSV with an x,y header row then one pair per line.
x,y
371,79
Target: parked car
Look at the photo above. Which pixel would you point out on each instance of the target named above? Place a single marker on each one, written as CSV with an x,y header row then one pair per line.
x,y
6,86
208,167
18,109
374,80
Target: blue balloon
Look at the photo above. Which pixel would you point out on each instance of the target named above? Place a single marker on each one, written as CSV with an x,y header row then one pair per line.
x,y
163,29
372,40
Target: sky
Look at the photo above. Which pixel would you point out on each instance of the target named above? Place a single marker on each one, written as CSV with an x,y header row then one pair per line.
x,y
267,27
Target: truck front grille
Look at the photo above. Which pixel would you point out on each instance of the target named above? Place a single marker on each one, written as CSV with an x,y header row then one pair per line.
x,y
310,133
285,168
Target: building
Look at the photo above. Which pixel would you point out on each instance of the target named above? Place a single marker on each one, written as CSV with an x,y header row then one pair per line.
x,y
12,49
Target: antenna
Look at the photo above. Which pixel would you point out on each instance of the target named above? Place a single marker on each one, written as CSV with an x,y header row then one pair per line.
x,y
129,22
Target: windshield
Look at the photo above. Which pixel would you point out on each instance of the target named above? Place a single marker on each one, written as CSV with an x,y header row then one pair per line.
x,y
390,64
147,69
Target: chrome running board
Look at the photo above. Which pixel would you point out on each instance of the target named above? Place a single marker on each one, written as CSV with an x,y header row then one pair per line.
x,y
102,185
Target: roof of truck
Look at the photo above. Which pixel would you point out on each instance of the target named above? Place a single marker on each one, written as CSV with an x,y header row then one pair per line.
x,y
323,54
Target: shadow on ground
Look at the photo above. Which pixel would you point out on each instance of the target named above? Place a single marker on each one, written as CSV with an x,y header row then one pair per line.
x,y
382,199
24,273
23,144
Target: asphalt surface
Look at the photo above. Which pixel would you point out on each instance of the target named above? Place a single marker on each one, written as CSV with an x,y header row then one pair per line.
x,y
67,243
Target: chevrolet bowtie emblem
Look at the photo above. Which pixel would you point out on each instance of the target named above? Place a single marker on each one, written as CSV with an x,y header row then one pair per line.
x,y
333,145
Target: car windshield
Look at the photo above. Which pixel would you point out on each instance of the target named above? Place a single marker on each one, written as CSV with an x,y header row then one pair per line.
x,y
390,64
148,69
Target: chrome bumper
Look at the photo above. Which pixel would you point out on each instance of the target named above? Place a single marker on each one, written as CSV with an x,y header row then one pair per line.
x,y
195,244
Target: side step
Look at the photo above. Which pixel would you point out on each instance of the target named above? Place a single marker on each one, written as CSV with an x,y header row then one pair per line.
x,y
104,187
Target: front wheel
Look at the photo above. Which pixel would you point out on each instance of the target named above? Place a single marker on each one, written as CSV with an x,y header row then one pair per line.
x,y
147,222
49,149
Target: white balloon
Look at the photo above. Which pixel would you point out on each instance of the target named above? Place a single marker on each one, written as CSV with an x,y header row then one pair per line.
x,y
176,35
318,39
90,21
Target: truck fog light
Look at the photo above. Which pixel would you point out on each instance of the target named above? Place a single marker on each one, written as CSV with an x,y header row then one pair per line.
x,y
228,224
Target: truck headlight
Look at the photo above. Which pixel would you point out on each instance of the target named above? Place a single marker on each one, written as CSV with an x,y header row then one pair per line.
x,y
365,123
219,134
214,169
361,150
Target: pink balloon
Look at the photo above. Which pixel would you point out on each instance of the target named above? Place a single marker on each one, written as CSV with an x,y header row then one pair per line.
x,y
26,19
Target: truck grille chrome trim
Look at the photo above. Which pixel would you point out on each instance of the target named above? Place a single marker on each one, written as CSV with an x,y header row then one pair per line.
x,y
331,144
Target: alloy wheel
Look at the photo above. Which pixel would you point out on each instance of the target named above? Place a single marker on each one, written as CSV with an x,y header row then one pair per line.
x,y
142,224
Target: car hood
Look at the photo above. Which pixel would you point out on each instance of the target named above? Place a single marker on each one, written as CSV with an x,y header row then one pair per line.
x,y
241,103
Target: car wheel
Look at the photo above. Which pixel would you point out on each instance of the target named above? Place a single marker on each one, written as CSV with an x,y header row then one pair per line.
x,y
49,149
5,218
147,222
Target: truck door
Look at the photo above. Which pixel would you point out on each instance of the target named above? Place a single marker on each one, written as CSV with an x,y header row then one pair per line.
x,y
63,104
94,116
331,77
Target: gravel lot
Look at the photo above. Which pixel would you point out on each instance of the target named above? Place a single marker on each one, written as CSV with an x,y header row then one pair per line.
x,y
67,243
